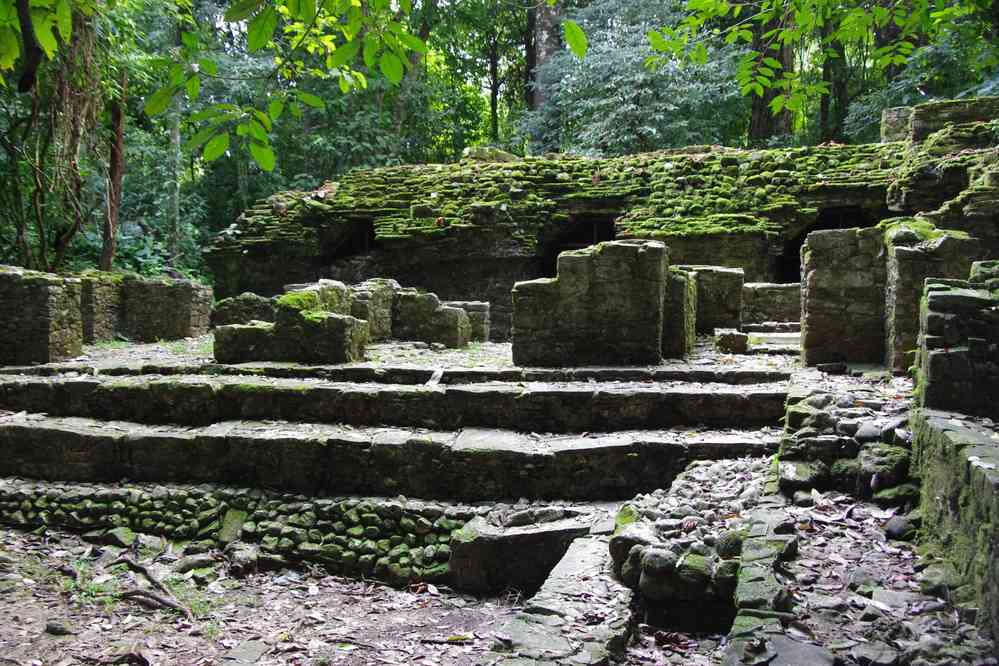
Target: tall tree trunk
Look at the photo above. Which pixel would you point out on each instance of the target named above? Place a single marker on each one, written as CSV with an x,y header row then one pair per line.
x,y
547,40
763,124
173,191
531,58
494,90
116,175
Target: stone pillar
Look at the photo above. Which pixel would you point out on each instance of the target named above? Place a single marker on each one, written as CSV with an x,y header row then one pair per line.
x,y
605,307
911,259
41,320
100,305
719,297
373,301
842,296
679,314
895,124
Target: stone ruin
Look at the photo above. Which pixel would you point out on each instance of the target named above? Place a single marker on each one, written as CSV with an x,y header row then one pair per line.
x,y
330,322
754,497
53,316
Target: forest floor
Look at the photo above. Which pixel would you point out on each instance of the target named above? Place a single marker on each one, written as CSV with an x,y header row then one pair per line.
x,y
63,602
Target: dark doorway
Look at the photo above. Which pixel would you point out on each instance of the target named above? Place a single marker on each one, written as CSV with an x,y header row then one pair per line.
x,y
336,244
581,231
840,217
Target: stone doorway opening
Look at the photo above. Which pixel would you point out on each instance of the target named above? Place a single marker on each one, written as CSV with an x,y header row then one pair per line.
x,y
788,267
348,240
582,230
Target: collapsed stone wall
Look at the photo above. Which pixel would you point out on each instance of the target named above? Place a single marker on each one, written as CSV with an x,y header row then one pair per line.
x,y
605,306
959,343
766,302
41,319
399,542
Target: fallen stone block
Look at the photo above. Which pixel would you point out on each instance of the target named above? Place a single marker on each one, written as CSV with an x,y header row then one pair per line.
x,y
478,318
731,341
243,309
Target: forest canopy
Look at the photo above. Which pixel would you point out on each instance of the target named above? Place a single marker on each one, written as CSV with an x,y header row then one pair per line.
x,y
132,130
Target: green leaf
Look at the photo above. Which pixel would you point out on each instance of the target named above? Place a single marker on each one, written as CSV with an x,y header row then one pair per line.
x,y
193,88
64,20
216,147
242,9
261,29
391,66
310,99
412,42
371,48
206,114
345,53
263,155
159,100
41,20
199,138
209,67
263,119
190,40
275,108
657,41
575,38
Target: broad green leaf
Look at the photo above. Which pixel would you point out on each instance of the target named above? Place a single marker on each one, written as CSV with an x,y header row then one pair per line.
x,y
209,67
261,29
206,114
242,9
371,48
575,38
275,108
345,53
412,42
391,66
657,41
263,155
263,119
159,100
64,20
215,148
310,99
190,40
193,86
41,20
199,138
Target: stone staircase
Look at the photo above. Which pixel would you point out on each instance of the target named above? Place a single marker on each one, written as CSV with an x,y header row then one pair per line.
x,y
315,463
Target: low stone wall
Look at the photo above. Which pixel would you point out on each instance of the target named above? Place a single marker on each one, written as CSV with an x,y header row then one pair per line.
x,y
958,462
420,315
719,297
605,307
165,309
478,318
310,327
679,314
399,542
765,301
41,319
243,309
101,306
959,343
756,253
933,116
911,259
843,296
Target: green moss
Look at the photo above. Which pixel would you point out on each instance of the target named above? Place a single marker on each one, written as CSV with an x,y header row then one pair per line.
x,y
303,301
922,227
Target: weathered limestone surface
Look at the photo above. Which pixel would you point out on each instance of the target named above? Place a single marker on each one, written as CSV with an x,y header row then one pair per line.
x,y
719,297
842,296
911,259
731,341
373,301
165,309
420,315
934,116
101,305
478,318
959,343
958,462
679,313
41,319
605,307
765,301
895,123
243,309
399,542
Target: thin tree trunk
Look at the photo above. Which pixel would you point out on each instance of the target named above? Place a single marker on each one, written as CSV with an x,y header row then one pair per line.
x,y
494,90
547,40
173,200
531,58
116,174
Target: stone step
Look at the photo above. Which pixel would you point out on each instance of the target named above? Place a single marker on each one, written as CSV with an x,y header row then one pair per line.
x,y
471,464
772,327
419,374
524,406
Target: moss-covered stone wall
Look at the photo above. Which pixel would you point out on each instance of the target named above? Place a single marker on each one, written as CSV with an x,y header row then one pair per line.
x,y
396,541
40,319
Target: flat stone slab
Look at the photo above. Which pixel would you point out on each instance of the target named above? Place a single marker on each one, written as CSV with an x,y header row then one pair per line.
x,y
559,624
525,406
472,463
417,374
